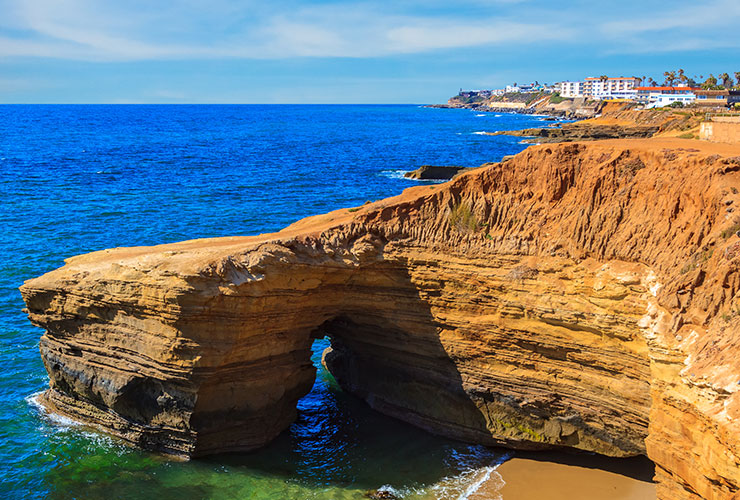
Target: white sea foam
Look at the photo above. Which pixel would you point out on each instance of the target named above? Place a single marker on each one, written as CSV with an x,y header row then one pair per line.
x,y
394,174
483,477
60,423
481,114
55,418
468,482
399,174
480,133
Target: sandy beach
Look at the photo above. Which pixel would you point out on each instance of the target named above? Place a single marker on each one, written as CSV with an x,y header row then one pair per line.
x,y
564,477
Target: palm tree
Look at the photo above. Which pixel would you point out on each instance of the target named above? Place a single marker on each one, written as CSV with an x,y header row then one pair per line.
x,y
737,78
710,82
670,77
682,77
725,80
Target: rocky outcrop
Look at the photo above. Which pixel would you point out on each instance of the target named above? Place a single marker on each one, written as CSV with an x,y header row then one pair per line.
x,y
581,131
577,296
435,172
616,121
527,103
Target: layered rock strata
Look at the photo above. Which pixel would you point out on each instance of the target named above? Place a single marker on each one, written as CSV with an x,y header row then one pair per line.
x,y
577,296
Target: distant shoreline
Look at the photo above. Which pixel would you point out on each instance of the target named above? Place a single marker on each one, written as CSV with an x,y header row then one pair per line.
x,y
514,111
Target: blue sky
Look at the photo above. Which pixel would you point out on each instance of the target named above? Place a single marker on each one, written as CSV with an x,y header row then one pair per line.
x,y
244,51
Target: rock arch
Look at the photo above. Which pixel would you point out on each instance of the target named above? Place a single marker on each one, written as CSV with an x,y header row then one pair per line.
x,y
571,301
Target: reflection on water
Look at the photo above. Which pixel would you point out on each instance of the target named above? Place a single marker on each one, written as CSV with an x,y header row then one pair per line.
x,y
338,448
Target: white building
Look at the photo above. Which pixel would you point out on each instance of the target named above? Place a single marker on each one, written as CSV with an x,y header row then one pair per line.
x,y
657,97
528,87
569,89
610,88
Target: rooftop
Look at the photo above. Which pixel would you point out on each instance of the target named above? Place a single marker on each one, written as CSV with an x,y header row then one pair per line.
x,y
668,88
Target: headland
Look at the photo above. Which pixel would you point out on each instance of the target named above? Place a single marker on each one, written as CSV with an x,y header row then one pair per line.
x,y
579,296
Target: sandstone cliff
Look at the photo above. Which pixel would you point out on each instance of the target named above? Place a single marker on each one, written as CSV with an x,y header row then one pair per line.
x,y
618,120
579,296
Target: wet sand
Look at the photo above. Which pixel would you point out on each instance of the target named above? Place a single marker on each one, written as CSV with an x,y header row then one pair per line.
x,y
563,477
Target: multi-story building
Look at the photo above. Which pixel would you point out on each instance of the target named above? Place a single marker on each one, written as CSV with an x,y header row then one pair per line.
x,y
656,97
569,89
610,88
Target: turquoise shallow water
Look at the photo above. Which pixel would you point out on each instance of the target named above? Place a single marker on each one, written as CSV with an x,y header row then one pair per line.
x,y
75,179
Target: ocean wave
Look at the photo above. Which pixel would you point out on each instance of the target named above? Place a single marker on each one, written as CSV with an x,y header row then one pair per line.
x,y
480,133
394,174
399,174
94,439
468,482
481,114
55,418
464,485
484,477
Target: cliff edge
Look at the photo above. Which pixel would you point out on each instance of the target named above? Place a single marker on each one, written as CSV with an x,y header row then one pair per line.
x,y
579,296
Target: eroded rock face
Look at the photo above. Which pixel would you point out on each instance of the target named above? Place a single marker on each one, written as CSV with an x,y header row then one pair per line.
x,y
579,295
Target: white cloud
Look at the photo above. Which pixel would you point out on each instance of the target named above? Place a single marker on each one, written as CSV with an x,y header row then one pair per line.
x,y
81,29
197,29
691,17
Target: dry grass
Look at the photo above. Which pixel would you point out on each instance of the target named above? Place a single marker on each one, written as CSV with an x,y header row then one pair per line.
x,y
463,219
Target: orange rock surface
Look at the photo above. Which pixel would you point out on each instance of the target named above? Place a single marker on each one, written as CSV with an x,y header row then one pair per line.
x,y
579,296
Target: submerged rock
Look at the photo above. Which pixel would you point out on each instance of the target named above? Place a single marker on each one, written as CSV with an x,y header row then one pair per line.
x,y
380,495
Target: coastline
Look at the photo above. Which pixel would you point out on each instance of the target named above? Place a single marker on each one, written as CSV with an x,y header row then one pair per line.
x,y
514,111
560,476
592,481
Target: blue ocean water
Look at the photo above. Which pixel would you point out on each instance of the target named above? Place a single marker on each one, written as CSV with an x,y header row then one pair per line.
x,y
74,179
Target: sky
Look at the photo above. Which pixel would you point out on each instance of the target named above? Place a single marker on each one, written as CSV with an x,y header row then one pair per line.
x,y
344,51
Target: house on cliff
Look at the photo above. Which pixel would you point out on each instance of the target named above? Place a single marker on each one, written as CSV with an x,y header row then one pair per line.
x,y
657,97
721,97
610,87
569,89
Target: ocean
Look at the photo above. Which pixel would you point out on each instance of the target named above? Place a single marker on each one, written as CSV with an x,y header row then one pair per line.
x,y
75,179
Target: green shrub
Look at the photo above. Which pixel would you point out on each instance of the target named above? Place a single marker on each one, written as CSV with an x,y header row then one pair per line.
x,y
556,98
463,219
726,233
533,98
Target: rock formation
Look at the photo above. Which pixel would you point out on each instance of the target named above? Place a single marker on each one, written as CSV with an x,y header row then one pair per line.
x,y
616,121
435,172
577,296
582,131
